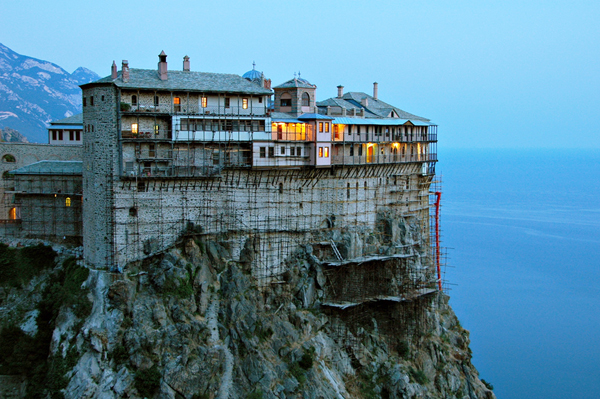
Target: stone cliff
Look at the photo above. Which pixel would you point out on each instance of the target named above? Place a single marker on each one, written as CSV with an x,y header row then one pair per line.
x,y
193,323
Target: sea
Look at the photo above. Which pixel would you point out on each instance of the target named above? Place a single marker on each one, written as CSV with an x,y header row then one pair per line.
x,y
522,231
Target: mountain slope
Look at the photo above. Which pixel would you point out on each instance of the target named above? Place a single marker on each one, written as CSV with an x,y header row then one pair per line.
x,y
34,92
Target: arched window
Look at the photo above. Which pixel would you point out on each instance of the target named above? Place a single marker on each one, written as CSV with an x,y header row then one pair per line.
x,y
305,100
68,201
12,214
9,158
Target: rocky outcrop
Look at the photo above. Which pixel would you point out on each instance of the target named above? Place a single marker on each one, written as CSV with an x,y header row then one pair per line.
x,y
193,322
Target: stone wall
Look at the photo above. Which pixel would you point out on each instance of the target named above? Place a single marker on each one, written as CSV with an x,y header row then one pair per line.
x,y
284,209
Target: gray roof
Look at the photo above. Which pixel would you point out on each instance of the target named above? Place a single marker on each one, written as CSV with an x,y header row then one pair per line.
x,y
51,168
296,82
205,82
71,120
374,109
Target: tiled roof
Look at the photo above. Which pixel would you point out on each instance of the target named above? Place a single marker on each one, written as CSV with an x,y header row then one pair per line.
x,y
71,120
374,109
205,82
296,82
51,168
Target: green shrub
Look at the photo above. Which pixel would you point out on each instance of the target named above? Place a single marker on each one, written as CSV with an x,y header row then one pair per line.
x,y
255,395
403,349
307,360
487,385
19,266
418,376
147,381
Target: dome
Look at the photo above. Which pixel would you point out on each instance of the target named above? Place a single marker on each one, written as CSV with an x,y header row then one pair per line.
x,y
253,75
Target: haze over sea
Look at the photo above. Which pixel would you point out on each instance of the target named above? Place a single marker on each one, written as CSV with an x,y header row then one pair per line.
x,y
524,228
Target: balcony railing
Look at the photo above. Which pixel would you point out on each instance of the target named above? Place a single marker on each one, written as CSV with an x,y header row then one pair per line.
x,y
195,109
382,159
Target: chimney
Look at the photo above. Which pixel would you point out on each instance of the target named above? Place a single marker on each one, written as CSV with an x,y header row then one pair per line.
x,y
365,101
375,90
113,70
268,84
125,71
186,63
340,91
162,66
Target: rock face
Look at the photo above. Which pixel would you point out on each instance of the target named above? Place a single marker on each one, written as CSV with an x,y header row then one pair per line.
x,y
195,323
35,92
12,136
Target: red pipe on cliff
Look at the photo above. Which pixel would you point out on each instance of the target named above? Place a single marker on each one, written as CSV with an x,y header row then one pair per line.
x,y
438,196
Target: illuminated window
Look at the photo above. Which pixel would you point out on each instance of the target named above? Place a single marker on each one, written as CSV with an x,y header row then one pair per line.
x,y
326,127
326,152
244,103
156,129
320,152
134,128
204,102
177,104
320,127
12,214
68,201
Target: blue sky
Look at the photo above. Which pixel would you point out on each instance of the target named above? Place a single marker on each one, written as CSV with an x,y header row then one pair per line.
x,y
509,74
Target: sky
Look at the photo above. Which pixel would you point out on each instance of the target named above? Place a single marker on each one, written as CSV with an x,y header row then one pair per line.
x,y
504,74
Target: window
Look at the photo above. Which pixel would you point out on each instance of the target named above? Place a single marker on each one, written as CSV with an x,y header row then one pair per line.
x,y
177,104
134,128
54,135
326,152
152,150
351,150
60,134
91,100
299,151
305,100
84,101
102,98
156,101
68,201
320,127
9,158
156,129
320,152
263,152
216,158
244,103
133,211
292,151
271,152
282,150
326,127
286,100
360,150
204,102
12,214
260,100
134,101
227,102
